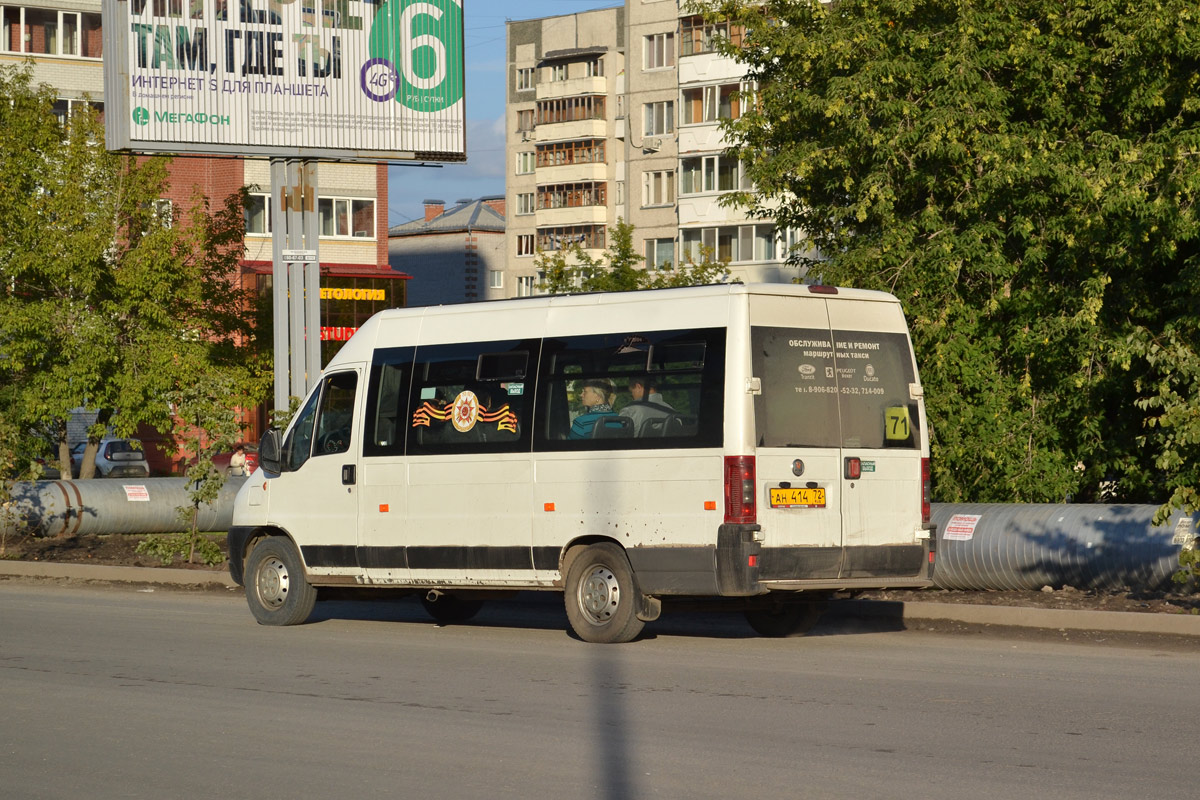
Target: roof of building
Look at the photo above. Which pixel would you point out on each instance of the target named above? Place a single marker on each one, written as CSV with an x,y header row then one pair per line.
x,y
473,215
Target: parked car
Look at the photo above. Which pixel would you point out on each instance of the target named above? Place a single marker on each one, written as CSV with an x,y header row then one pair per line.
x,y
115,458
221,461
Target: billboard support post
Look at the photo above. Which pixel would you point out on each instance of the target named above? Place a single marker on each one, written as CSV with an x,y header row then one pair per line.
x,y
295,231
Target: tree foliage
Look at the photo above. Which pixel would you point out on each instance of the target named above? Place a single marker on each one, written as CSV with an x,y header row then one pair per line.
x,y
104,303
573,269
1024,176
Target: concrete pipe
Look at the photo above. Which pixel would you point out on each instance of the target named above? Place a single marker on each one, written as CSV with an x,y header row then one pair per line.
x,y
1028,546
113,505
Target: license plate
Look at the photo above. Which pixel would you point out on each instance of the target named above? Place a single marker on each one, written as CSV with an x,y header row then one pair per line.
x,y
797,498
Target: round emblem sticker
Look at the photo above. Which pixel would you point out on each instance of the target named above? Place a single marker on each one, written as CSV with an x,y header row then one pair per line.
x,y
379,80
465,411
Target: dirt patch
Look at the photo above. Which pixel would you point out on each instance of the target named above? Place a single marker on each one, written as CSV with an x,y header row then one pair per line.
x,y
114,549
119,550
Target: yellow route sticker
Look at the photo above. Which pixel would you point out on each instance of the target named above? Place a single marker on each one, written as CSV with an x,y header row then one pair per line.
x,y
896,423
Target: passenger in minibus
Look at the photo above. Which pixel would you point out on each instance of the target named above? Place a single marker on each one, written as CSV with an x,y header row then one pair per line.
x,y
596,398
647,404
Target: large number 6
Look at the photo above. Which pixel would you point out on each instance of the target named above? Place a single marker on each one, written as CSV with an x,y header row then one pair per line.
x,y
412,43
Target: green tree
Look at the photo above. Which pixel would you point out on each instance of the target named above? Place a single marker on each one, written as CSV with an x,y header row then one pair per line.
x,y
573,269
1023,175
105,302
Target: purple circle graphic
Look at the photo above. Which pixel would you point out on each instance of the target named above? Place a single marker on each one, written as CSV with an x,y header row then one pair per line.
x,y
392,79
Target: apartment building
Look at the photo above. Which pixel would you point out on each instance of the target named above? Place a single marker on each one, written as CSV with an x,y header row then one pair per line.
x,y
453,254
641,142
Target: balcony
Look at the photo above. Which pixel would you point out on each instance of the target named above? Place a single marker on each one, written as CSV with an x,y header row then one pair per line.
x,y
577,215
572,173
573,86
703,138
576,129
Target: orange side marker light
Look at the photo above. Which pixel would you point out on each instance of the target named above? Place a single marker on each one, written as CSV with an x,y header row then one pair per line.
x,y
548,506
710,505
383,508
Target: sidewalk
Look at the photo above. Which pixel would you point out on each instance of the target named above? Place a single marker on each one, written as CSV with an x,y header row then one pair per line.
x,y
1044,618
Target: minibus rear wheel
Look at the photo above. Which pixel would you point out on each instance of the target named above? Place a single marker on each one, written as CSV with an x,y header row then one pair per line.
x,y
601,595
786,619
276,588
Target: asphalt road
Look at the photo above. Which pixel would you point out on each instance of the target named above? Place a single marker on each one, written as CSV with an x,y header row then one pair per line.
x,y
118,693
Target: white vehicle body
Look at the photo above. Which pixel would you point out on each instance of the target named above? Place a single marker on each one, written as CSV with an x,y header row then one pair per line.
x,y
788,451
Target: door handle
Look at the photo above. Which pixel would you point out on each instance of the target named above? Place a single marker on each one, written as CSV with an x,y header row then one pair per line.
x,y
348,476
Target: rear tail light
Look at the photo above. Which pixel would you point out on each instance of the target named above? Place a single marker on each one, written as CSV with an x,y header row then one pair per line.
x,y
739,490
926,514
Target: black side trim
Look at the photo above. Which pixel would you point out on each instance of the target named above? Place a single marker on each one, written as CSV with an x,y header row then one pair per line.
x,y
470,558
383,557
674,570
546,558
329,555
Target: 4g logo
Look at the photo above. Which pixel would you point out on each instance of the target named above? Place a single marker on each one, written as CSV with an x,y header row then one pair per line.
x,y
416,49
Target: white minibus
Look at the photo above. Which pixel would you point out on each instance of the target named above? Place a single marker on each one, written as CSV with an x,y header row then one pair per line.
x,y
763,444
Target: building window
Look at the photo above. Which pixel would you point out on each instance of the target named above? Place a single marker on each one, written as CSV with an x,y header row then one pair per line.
x,y
594,68
660,118
570,109
525,244
526,120
47,32
710,103
730,243
558,72
164,212
660,253
346,217
696,36
65,108
258,215
525,204
589,237
572,195
525,163
658,188
526,79
658,51
495,279
526,285
703,174
620,193
588,151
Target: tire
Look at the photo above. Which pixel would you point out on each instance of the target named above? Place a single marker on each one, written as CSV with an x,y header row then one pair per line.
x,y
786,619
276,588
448,609
601,595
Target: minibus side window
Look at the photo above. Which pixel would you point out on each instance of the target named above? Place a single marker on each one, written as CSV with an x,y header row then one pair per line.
x,y
387,401
336,417
473,397
636,390
298,445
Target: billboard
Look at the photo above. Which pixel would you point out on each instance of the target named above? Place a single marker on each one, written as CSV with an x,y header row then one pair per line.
x,y
359,80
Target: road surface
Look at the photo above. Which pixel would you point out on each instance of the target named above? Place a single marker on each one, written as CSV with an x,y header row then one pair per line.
x,y
119,693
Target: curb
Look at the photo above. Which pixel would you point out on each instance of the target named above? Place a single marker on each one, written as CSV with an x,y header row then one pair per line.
x,y
1006,616
98,572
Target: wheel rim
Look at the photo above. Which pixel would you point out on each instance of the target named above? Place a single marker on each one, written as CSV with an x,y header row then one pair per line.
x,y
599,595
272,583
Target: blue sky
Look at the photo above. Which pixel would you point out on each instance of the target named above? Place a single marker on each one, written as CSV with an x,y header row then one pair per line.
x,y
483,174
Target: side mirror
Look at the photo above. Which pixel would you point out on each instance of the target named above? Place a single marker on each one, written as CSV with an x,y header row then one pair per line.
x,y
269,448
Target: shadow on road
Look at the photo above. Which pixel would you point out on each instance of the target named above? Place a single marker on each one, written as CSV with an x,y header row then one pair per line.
x,y
544,611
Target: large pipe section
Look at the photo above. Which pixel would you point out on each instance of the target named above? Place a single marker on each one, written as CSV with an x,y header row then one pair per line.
x,y
112,505
1086,546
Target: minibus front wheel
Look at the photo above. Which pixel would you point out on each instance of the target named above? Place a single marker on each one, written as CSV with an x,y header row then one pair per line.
x,y
276,588
601,595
